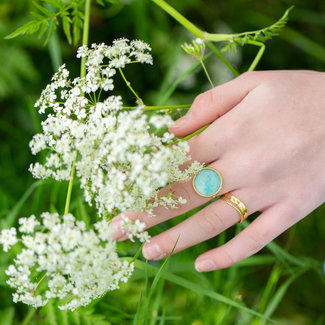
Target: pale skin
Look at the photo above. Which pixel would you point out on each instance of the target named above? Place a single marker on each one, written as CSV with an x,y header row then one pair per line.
x,y
267,139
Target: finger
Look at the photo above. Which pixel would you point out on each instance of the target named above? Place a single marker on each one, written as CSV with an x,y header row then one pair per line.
x,y
214,103
205,224
215,141
184,190
259,233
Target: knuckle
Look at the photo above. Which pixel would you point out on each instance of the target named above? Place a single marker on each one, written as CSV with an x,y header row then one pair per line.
x,y
249,74
225,259
203,100
236,129
256,241
182,192
211,223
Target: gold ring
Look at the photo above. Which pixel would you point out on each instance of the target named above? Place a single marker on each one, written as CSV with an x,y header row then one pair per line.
x,y
238,205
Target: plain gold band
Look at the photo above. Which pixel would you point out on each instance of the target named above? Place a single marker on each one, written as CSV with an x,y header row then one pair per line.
x,y
237,204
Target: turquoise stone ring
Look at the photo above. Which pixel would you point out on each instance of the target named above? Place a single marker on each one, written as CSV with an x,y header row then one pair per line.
x,y
207,182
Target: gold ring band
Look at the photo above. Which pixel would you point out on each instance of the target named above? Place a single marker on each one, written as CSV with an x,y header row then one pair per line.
x,y
234,206
238,205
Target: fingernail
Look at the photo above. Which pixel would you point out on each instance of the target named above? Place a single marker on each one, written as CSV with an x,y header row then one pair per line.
x,y
152,252
116,230
178,123
205,266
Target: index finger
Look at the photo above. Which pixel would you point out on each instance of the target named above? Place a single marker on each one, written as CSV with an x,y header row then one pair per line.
x,y
210,105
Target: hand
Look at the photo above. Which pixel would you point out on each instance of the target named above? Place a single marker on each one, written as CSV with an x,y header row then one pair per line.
x,y
267,139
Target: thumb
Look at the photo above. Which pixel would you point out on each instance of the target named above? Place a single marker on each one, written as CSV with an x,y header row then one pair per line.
x,y
212,104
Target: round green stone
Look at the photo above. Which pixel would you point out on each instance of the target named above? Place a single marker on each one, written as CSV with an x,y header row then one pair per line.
x,y
207,182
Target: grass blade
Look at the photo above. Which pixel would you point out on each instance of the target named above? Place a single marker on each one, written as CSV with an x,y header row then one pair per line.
x,y
173,87
197,288
278,296
11,218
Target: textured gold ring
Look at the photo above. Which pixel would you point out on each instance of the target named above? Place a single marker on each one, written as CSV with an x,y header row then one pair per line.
x,y
237,204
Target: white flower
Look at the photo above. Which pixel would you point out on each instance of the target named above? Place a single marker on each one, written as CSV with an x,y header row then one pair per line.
x,y
28,224
120,163
134,228
82,51
76,263
161,120
8,238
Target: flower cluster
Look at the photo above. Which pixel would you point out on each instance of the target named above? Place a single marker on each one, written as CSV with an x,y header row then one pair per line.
x,y
64,260
120,163
196,49
134,229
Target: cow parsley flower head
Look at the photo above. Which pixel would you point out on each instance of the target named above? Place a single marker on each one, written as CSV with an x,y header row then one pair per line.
x,y
71,262
122,159
120,162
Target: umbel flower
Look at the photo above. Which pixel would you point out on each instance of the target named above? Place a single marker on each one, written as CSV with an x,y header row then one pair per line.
x,y
65,261
121,164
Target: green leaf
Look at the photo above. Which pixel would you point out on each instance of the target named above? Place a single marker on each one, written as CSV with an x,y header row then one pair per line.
x,y
138,312
66,22
13,214
264,34
48,312
43,29
29,28
43,10
52,29
37,15
7,316
75,317
279,294
56,3
77,25
88,317
198,289
63,317
163,317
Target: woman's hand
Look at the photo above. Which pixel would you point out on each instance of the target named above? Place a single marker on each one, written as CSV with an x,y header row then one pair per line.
x,y
267,139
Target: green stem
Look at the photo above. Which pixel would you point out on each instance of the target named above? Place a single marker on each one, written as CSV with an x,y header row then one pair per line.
x,y
190,135
180,18
157,108
223,59
205,35
258,55
199,33
85,37
173,87
40,281
29,316
206,73
194,133
68,199
130,87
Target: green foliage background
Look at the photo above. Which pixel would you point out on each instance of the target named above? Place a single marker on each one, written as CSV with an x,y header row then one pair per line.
x,y
286,284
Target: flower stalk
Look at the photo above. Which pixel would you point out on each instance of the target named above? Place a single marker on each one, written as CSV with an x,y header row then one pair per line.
x,y
85,38
128,83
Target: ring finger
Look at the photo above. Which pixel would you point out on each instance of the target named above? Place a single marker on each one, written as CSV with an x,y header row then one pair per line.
x,y
207,223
